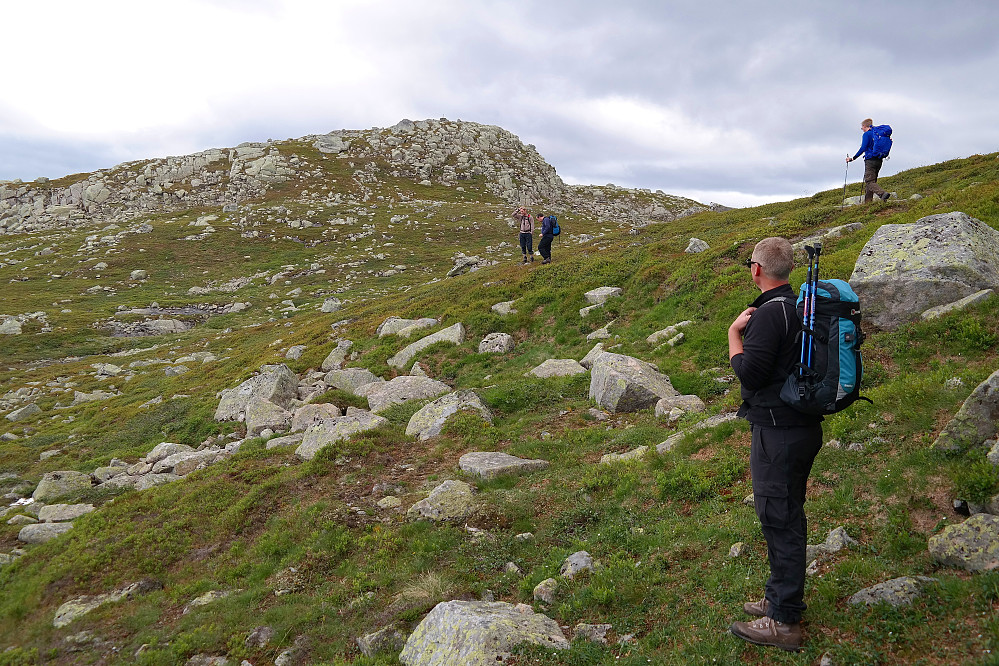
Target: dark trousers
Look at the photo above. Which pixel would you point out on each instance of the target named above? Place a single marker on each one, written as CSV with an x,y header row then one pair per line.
x,y
871,187
526,243
780,461
545,246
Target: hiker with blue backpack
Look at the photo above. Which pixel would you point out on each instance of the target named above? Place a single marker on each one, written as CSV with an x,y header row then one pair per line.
x,y
549,230
875,147
796,360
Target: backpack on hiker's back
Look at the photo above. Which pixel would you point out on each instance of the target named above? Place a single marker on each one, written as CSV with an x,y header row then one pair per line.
x,y
880,143
556,230
831,381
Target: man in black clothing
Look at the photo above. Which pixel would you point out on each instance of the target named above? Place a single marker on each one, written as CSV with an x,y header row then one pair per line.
x,y
763,350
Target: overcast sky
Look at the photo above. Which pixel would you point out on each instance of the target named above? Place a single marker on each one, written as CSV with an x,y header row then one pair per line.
x,y
737,102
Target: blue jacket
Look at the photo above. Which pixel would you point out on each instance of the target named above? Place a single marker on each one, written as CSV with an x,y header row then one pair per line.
x,y
866,143
547,227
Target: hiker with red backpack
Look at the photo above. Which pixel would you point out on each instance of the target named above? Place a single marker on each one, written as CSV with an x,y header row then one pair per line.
x,y
525,222
874,147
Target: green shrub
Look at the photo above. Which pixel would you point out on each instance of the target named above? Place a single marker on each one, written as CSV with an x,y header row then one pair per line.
x,y
975,478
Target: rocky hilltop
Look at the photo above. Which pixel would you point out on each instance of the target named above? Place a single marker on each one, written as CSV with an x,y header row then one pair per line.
x,y
443,152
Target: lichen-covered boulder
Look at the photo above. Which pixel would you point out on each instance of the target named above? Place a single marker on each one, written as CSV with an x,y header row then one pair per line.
x,y
905,269
576,563
403,389
454,334
337,355
620,383
478,633
430,419
450,501
55,485
591,356
895,592
263,414
351,379
386,640
972,545
976,421
331,431
274,383
307,416
557,367
490,464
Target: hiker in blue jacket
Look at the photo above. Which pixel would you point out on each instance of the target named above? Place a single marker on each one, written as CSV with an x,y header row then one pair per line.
x,y
547,236
872,164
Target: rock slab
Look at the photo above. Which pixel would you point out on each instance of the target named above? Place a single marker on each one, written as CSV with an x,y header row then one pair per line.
x,y
972,545
620,383
490,464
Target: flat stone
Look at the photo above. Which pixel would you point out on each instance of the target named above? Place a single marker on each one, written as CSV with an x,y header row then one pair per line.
x,y
147,481
454,334
958,305
895,592
557,367
686,403
489,465
24,413
504,308
60,513
634,454
402,389
709,422
293,439
42,532
497,343
601,294
393,325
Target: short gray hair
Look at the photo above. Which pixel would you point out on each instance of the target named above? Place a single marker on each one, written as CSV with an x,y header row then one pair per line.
x,y
775,257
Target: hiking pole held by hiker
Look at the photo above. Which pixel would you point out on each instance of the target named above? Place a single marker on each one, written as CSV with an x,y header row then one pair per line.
x,y
845,177
806,340
815,288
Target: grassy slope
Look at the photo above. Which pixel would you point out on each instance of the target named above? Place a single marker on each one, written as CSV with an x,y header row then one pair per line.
x,y
661,528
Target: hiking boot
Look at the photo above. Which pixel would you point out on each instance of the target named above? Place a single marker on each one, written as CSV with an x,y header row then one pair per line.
x,y
532,258
525,259
767,631
885,197
546,261
756,608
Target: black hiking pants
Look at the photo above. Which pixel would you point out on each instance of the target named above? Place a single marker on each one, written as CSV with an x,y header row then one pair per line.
x,y
526,243
780,461
545,246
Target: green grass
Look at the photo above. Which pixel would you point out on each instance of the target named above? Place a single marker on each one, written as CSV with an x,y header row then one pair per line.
x,y
660,527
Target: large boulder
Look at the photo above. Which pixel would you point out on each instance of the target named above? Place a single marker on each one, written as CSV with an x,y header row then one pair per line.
x,y
404,327
63,513
972,545
42,532
336,429
976,421
61,484
908,268
403,389
450,501
274,383
337,356
263,415
454,334
307,416
620,383
496,343
23,413
430,420
478,633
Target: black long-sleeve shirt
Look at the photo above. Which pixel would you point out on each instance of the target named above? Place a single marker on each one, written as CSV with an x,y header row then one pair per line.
x,y
771,350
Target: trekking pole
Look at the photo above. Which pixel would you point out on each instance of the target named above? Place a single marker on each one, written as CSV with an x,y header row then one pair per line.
x,y
815,289
844,178
805,342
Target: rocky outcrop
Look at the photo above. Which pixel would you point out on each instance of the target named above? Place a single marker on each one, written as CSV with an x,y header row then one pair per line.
x,y
905,269
622,383
477,633
430,419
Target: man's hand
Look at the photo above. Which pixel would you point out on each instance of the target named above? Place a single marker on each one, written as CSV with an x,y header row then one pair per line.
x,y
849,159
740,323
